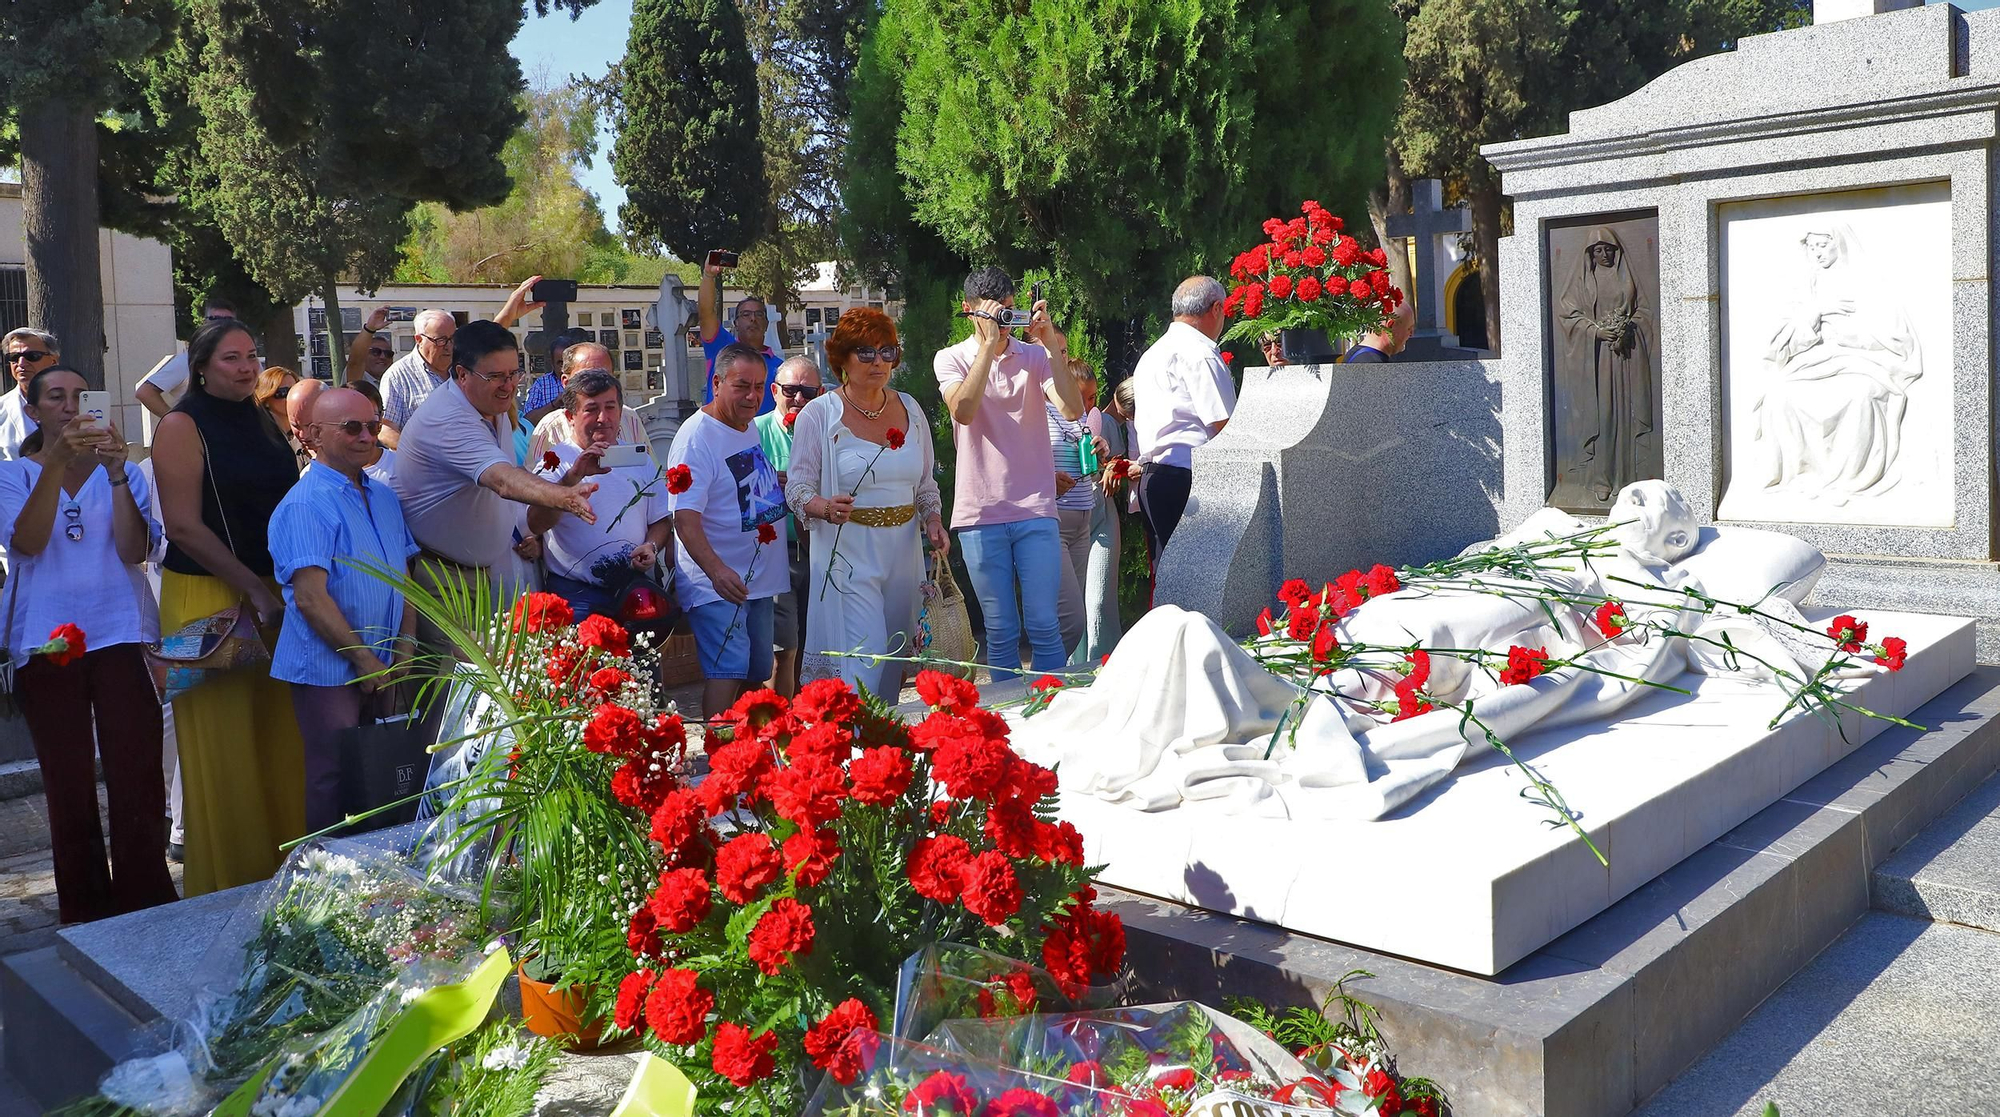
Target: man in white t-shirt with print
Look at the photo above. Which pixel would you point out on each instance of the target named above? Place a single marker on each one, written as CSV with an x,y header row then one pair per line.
x,y
589,563
731,565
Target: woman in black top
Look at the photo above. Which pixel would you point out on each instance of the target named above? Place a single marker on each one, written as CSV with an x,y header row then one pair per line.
x,y
222,466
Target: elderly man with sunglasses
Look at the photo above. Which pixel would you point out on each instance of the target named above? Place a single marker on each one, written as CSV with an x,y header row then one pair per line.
x,y
372,350
23,352
748,325
798,383
345,628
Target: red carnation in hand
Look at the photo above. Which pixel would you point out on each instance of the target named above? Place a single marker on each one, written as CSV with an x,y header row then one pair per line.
x,y
880,775
600,631
784,931
1610,618
895,437
943,1094
766,534
745,865
843,1040
1895,650
742,1058
1849,632
809,855
992,892
681,901
1524,664
1020,1102
613,730
679,479
65,645
550,462
936,864
790,420
541,612
677,1008
632,999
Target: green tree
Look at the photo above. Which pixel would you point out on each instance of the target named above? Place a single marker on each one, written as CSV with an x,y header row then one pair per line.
x,y
684,107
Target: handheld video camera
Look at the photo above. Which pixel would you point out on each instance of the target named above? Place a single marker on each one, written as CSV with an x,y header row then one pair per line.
x,y
1017,319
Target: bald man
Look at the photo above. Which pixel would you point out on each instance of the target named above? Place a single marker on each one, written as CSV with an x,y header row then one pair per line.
x,y
298,412
1384,342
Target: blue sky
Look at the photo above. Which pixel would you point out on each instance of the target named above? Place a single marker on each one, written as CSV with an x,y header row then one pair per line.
x,y
554,47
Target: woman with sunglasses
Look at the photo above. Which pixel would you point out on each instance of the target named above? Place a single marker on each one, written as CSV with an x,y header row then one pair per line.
x,y
74,511
223,464
861,481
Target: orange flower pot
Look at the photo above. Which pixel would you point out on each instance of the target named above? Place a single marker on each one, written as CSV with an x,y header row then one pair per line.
x,y
556,1014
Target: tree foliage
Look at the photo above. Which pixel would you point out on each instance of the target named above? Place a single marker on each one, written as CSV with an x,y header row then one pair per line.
x,y
684,107
1122,143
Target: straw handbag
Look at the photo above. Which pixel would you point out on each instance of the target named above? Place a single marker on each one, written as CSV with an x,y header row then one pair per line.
x,y
944,628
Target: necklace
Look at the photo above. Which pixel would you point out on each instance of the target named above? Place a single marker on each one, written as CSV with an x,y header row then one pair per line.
x,y
870,415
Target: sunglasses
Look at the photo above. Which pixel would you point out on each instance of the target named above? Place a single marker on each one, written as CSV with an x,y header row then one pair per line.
x,y
283,392
887,354
74,512
374,352
27,355
352,428
802,391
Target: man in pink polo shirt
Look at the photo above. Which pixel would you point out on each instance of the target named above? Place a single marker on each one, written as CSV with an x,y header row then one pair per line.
x,y
1004,505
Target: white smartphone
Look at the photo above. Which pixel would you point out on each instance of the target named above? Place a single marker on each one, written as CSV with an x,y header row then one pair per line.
x,y
95,408
626,454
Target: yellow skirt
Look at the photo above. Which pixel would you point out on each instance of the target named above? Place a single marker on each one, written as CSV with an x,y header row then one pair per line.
x,y
243,779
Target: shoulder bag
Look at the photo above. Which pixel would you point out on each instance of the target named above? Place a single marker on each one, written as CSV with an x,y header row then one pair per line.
x,y
209,647
944,627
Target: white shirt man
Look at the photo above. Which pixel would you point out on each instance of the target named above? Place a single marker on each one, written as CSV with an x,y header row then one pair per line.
x,y
23,353
1184,395
589,563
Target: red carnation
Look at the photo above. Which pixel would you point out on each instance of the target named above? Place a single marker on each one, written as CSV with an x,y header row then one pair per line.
x,y
677,1008
1046,682
65,645
880,775
734,770
1059,843
1227,356
1895,650
1849,632
1359,289
681,901
766,534
790,420
1180,1078
784,931
632,999
541,612
1264,623
1281,285
1020,1102
895,437
807,791
992,892
550,462
1345,252
1309,288
679,819
1010,825
742,1058
1610,618
945,692
936,864
679,479
809,855
1314,257
1379,282
942,1094
600,631
1273,227
1089,1073
607,680
746,864
842,1040
825,741
613,730
754,713
971,767
824,700
1084,943
1524,664
642,933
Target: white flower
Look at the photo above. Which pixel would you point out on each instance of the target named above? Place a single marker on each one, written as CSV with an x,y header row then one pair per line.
x,y
509,1056
411,994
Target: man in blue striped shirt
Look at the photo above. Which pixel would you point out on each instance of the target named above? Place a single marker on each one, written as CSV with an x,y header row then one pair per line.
x,y
345,629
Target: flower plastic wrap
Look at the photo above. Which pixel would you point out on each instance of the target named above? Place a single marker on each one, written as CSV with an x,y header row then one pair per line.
x,y
1162,1060
337,923
948,981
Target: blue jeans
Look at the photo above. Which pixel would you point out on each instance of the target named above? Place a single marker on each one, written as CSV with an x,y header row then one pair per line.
x,y
584,598
1025,555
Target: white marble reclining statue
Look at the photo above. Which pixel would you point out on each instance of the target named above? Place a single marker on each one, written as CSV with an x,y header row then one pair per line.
x,y
1181,712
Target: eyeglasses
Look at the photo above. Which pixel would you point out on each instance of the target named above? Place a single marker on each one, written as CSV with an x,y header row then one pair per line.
x,y
445,340
352,428
74,512
27,355
802,391
494,377
374,352
887,354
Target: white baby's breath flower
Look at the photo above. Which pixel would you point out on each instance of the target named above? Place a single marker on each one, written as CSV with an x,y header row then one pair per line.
x,y
508,1056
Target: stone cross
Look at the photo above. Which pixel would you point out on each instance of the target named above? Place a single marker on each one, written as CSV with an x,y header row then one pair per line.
x,y
1426,222
816,349
1827,11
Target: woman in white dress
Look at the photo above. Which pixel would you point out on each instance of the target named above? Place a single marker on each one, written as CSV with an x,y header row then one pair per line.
x,y
862,483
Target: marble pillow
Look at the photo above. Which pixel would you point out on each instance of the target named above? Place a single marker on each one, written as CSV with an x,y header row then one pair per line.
x,y
1742,564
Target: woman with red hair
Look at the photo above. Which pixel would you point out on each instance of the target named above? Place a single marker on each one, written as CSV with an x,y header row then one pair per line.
x,y
861,483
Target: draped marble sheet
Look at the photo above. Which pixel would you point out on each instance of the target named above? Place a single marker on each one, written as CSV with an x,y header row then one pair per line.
x,y
1654,781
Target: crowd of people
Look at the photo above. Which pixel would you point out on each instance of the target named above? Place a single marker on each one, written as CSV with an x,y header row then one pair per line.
x,y
796,520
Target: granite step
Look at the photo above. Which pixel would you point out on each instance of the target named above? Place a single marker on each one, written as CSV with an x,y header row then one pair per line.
x,y
1950,873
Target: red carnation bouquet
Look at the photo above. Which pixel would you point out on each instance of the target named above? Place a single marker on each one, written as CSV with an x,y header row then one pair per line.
x,y
829,842
1310,275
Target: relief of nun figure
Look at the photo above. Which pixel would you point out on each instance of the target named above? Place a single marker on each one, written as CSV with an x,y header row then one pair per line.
x,y
1605,329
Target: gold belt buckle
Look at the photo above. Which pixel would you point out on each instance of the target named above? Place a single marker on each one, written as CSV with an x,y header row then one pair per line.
x,y
895,516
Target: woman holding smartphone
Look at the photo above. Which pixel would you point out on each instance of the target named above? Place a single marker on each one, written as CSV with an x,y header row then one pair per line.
x,y
74,512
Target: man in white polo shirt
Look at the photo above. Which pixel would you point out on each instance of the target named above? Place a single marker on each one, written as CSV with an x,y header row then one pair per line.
x,y
1184,395
455,471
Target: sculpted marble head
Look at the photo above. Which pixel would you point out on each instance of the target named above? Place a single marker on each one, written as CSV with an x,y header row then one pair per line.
x,y
1653,519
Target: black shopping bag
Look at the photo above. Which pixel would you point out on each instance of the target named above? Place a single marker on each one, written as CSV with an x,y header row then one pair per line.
x,y
383,762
